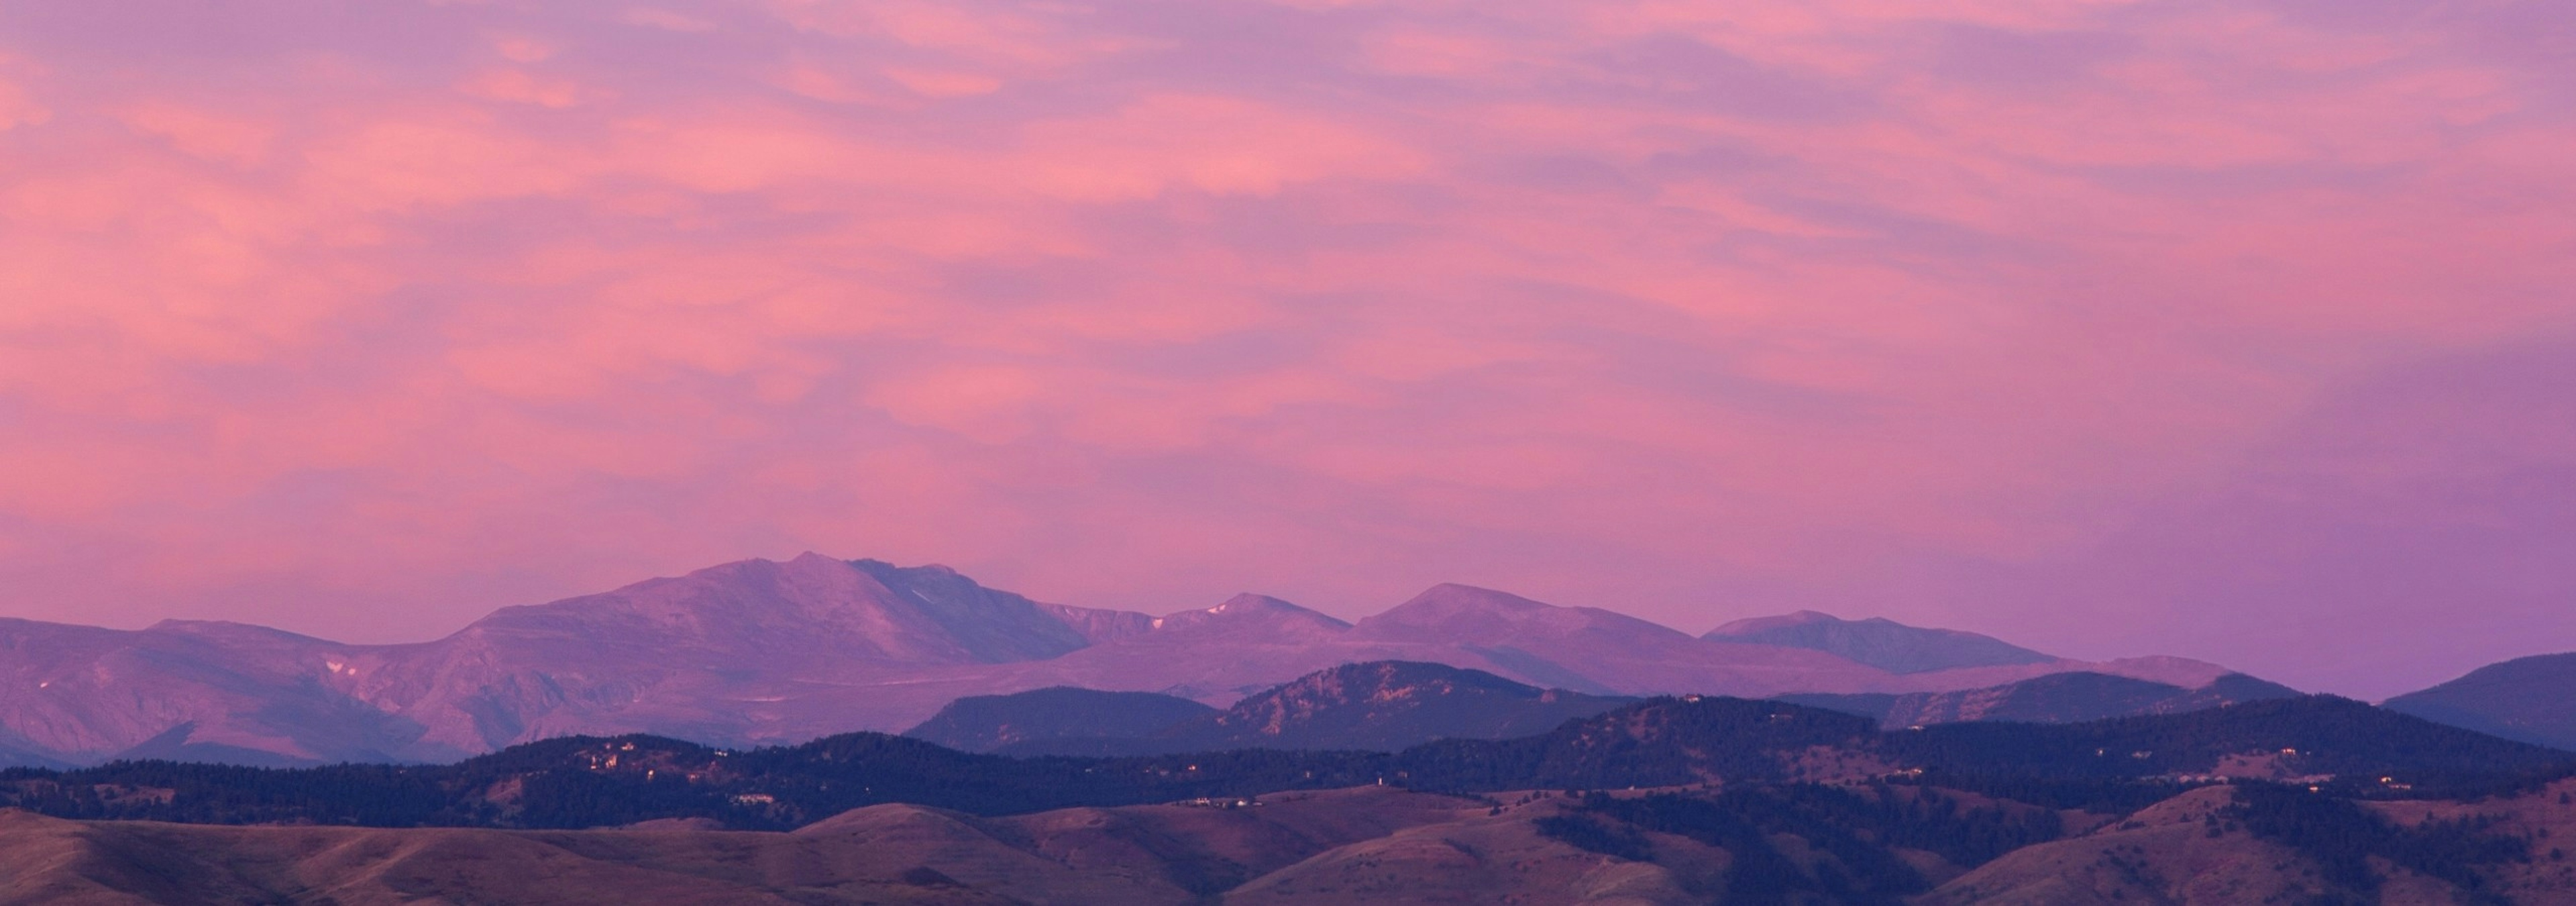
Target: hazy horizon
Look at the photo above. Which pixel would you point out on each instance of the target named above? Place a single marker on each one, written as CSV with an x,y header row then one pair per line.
x,y
2239,332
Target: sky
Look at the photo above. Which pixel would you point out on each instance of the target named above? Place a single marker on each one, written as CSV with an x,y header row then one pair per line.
x,y
2232,330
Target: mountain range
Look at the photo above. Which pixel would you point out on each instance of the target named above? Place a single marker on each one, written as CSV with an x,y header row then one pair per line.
x,y
759,652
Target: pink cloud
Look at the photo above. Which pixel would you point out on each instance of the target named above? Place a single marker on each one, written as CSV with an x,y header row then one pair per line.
x,y
1689,310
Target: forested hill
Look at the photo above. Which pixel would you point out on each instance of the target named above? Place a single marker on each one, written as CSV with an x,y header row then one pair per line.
x,y
588,782
2310,735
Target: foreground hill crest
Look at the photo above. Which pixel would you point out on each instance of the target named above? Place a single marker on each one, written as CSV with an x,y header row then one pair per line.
x,y
760,651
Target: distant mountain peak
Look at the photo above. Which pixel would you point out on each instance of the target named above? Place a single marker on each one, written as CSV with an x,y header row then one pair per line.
x,y
1792,618
1797,618
1252,613
811,607
1878,642
1248,601
1454,597
875,566
227,630
1466,614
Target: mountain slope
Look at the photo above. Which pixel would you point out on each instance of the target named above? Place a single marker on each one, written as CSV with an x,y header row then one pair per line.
x,y
2056,698
774,615
2531,699
1381,706
2309,736
82,694
985,723
2177,851
745,651
1387,706
1878,642
1591,650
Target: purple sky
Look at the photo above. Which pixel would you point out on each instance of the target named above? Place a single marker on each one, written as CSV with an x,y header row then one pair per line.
x,y
2240,331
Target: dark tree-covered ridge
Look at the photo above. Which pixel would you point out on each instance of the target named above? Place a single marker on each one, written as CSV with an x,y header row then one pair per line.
x,y
1665,742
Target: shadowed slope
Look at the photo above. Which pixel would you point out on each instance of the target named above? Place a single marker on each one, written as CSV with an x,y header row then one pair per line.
x,y
1382,706
2056,698
1878,642
1389,706
984,723
2531,699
